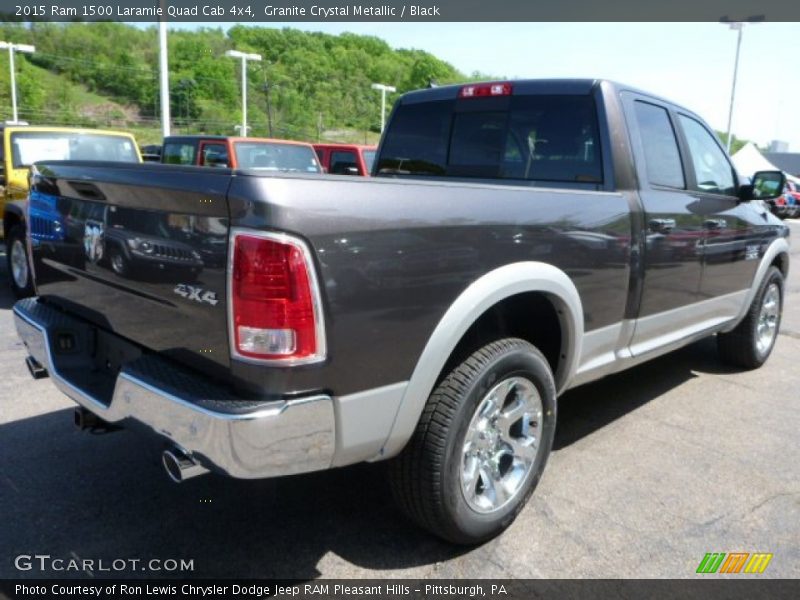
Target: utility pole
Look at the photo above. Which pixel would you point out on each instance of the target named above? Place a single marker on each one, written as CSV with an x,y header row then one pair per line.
x,y
245,57
383,88
26,48
267,89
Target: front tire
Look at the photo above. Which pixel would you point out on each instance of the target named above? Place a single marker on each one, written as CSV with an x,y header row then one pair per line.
x,y
19,271
119,264
481,444
750,344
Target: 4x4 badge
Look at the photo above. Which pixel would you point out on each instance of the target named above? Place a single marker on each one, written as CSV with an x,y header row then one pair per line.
x,y
197,294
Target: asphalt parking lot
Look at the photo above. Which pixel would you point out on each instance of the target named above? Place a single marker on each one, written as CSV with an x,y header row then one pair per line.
x,y
652,469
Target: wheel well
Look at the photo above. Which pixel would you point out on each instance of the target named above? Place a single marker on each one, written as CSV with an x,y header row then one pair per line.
x,y
531,316
10,220
782,262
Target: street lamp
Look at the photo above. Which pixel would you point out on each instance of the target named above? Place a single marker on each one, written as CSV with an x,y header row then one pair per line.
x,y
245,57
736,26
383,89
28,49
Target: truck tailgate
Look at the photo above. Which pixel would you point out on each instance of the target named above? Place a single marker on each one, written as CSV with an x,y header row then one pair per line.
x,y
138,250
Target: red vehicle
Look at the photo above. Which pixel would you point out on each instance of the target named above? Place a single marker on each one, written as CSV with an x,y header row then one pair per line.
x,y
346,159
240,153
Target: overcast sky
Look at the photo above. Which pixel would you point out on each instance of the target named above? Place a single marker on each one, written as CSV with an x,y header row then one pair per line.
x,y
689,63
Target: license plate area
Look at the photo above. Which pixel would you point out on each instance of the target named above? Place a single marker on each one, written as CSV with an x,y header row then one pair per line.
x,y
110,352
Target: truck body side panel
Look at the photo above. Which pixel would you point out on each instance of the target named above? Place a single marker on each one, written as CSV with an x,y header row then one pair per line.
x,y
393,255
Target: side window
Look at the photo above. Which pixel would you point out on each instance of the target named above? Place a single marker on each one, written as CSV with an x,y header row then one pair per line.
x,y
214,155
661,156
179,154
712,169
341,161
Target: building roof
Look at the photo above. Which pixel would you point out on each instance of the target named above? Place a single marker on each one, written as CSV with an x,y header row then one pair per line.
x,y
786,161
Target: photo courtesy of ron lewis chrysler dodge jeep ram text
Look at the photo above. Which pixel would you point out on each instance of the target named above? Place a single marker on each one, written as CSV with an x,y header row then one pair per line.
x,y
516,239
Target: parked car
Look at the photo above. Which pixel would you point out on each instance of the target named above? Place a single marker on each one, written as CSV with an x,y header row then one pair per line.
x,y
791,194
346,159
783,206
21,147
240,153
514,243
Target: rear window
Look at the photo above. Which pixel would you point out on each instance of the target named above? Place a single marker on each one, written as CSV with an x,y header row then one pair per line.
x,y
342,161
31,146
529,138
276,157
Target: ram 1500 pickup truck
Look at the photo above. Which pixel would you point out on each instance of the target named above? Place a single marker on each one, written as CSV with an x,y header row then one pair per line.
x,y
519,239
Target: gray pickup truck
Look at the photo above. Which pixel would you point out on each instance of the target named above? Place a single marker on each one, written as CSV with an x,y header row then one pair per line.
x,y
518,239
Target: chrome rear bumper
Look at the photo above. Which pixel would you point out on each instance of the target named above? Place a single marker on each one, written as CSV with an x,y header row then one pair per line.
x,y
236,437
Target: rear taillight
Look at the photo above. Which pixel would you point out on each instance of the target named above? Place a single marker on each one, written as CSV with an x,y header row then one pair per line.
x,y
483,90
276,315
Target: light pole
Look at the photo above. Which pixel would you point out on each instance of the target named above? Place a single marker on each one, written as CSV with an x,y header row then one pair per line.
x,y
163,71
736,26
245,57
383,89
28,49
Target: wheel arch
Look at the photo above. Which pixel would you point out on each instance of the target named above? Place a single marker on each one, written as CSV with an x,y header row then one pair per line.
x,y
536,279
777,255
12,216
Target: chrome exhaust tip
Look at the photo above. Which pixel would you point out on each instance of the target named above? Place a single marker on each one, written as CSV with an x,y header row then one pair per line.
x,y
180,466
36,370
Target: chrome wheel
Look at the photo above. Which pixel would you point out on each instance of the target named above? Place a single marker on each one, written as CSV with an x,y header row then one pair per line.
x,y
501,444
19,264
767,325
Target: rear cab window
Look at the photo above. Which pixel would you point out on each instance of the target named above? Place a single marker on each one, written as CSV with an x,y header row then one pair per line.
x,y
524,139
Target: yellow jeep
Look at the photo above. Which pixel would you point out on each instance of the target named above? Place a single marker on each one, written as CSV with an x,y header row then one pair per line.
x,y
23,145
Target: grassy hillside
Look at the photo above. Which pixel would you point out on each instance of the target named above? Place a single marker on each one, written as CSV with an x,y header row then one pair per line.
x,y
105,75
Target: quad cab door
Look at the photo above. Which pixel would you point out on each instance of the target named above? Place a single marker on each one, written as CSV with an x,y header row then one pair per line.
x,y
733,231
673,221
701,243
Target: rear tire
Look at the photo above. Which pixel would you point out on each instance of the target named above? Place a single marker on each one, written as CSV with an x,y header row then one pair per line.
x,y
18,261
750,344
481,444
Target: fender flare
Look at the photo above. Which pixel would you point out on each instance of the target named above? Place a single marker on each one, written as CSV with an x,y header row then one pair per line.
x,y
480,296
776,248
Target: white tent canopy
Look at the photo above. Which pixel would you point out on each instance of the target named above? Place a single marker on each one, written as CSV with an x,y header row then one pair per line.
x,y
749,159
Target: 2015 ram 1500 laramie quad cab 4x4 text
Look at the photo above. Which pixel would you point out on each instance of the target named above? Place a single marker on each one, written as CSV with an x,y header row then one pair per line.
x,y
518,239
